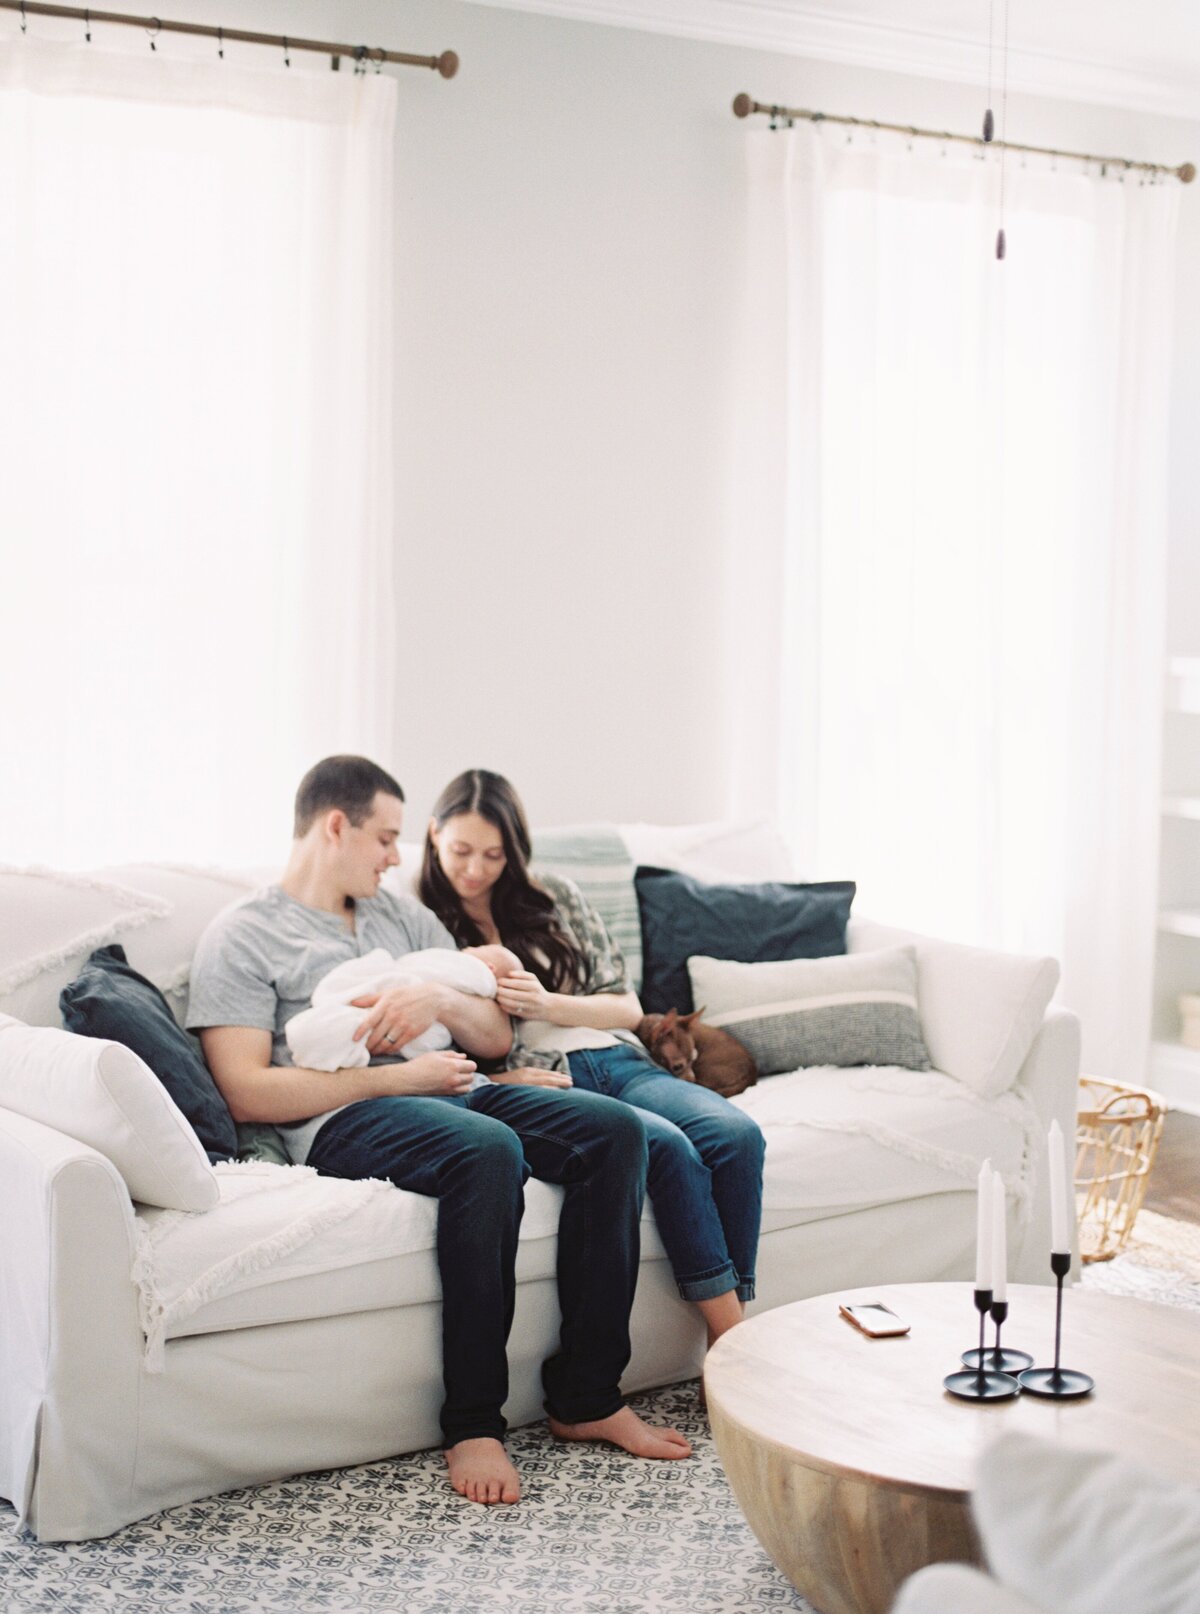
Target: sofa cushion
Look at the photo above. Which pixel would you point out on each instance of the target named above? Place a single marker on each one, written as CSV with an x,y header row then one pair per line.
x,y
1085,1532
284,1244
845,1140
108,998
980,1009
726,849
837,1141
102,1094
859,1010
194,895
682,916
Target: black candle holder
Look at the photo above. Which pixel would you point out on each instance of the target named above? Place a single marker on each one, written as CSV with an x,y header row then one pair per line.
x,y
980,1383
998,1360
1059,1383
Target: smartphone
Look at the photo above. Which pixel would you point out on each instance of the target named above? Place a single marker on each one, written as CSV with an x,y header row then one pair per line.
x,y
875,1319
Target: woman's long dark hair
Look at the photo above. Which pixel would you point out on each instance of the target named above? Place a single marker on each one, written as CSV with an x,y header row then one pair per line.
x,y
524,914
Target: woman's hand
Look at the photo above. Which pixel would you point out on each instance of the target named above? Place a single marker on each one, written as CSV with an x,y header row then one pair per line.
x,y
532,1076
522,995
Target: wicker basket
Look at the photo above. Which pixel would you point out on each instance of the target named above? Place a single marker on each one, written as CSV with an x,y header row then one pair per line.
x,y
1116,1141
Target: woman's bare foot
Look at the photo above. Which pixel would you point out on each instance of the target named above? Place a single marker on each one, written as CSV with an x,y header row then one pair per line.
x,y
480,1471
627,1430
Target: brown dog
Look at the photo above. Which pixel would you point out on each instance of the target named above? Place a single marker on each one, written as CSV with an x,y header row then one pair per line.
x,y
683,1045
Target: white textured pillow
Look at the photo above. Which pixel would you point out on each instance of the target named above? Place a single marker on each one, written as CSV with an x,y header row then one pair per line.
x,y
796,1012
50,922
192,895
955,1589
103,1095
1087,1533
723,852
980,1009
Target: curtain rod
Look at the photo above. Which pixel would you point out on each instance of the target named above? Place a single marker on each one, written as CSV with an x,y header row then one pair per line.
x,y
744,106
446,64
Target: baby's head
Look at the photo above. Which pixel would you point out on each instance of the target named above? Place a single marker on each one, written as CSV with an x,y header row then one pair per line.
x,y
498,959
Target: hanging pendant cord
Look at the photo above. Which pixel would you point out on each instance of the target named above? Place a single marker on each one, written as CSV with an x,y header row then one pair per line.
x,y
446,64
745,106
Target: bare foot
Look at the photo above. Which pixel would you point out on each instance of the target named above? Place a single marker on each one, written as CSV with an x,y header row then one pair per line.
x,y
480,1471
626,1429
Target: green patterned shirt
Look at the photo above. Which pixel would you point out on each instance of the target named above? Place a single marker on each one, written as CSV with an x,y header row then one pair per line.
x,y
535,1042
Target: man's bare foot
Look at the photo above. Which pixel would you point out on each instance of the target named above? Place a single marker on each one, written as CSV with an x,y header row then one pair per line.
x,y
627,1430
480,1471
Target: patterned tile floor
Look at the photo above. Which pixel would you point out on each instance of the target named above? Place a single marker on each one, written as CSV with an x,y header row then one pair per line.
x,y
597,1533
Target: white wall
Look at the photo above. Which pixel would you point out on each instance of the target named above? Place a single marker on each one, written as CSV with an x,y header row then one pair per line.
x,y
569,210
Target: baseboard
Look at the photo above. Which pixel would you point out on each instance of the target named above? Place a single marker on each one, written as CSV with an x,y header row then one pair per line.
x,y
1175,1073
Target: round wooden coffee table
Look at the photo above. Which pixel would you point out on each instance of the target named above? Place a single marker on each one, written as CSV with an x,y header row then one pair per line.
x,y
854,1467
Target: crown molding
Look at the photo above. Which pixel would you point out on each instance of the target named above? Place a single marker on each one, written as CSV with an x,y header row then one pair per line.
x,y
800,30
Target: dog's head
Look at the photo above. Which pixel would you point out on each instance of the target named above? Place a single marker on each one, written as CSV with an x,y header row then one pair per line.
x,y
670,1042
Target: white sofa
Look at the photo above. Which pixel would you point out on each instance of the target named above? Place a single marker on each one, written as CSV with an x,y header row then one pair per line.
x,y
289,1344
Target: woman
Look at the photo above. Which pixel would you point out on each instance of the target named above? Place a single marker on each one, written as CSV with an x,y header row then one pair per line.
x,y
574,1016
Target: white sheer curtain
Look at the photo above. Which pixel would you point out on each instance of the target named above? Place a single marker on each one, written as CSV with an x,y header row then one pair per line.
x,y
195,436
948,575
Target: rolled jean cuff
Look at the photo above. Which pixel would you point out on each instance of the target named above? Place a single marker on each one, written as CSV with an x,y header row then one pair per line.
x,y
489,1430
745,1289
708,1285
563,1414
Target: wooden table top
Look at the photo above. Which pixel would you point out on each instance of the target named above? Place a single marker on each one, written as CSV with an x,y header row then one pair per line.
x,y
805,1380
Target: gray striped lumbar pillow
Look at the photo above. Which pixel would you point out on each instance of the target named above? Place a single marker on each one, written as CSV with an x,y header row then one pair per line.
x,y
597,859
856,1009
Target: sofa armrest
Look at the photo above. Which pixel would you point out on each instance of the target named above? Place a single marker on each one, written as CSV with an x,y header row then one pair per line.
x,y
980,1008
70,1339
1049,1082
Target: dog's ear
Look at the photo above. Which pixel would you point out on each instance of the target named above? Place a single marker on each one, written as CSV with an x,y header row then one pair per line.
x,y
669,1021
686,1019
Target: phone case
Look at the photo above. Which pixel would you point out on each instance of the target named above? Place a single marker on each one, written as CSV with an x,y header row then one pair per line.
x,y
872,1331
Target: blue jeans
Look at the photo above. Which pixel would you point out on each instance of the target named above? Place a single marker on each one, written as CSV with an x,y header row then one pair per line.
x,y
473,1155
705,1174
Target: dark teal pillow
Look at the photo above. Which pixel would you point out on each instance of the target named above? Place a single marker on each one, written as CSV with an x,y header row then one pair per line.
x,y
108,998
749,924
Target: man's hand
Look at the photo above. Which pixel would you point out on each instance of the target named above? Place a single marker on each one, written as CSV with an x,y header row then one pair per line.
x,y
439,1075
398,1015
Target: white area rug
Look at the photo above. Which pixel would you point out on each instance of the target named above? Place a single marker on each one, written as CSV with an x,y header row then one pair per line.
x,y
596,1533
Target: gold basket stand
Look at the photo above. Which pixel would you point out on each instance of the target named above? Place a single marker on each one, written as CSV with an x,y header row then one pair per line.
x,y
1117,1133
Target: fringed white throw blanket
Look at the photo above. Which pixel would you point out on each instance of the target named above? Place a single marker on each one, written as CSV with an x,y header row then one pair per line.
x,y
173,1266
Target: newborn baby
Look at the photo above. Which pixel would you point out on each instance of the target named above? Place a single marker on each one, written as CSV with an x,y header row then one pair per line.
x,y
322,1038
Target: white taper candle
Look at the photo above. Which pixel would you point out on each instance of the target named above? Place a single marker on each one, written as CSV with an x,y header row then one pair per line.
x,y
1060,1238
999,1239
983,1228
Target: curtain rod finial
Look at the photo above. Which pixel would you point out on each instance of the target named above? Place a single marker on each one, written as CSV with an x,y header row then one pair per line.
x,y
1187,173
447,64
743,105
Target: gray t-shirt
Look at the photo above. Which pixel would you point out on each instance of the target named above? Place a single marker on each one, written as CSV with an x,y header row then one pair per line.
x,y
259,961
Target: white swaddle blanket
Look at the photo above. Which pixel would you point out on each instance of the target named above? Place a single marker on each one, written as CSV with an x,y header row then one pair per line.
x,y
322,1038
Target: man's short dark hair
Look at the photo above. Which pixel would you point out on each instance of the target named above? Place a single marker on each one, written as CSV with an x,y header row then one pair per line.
x,y
350,783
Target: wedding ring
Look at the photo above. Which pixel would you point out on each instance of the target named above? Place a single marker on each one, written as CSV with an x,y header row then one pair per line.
x,y
388,1037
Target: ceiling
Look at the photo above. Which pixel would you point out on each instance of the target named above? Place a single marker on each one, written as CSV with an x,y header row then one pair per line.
x,y
1116,52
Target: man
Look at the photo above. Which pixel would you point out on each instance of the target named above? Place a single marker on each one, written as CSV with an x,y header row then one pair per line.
x,y
431,1124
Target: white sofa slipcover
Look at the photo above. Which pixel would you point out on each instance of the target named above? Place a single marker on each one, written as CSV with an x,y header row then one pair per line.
x,y
151,1357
